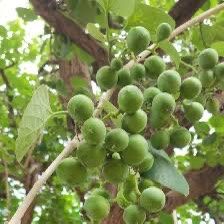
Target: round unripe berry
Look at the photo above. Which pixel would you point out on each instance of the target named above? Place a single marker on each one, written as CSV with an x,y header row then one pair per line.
x,y
144,184
154,66
159,120
169,81
134,214
136,151
180,137
134,123
80,108
149,94
130,99
219,71
124,77
115,171
94,131
138,39
72,172
163,103
116,140
116,64
147,163
208,58
101,192
213,106
97,207
207,78
160,139
137,72
163,31
152,199
106,78
91,155
191,88
193,111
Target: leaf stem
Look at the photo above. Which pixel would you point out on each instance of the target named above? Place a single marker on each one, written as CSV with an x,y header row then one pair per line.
x,y
188,66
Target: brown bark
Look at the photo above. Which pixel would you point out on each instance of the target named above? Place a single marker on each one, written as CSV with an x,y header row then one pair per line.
x,y
48,10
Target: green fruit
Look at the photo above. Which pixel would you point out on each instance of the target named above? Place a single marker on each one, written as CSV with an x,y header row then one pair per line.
x,y
130,99
169,81
116,140
163,31
136,151
116,64
163,103
94,131
138,39
71,171
207,78
144,184
124,77
160,139
200,99
97,207
137,72
159,120
149,94
134,215
147,163
134,123
208,58
219,71
191,88
101,192
154,66
152,199
80,108
193,111
180,137
106,78
90,155
115,171
213,106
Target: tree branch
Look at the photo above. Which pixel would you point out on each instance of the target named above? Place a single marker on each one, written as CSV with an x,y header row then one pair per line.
x,y
69,28
74,142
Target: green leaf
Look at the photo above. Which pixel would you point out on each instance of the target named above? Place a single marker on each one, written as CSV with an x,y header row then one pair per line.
x,y
3,31
219,47
169,49
26,14
33,121
197,162
202,128
164,172
160,153
149,17
123,8
217,122
94,32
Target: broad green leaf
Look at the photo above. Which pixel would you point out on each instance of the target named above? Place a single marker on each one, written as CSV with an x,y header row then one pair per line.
x,y
149,17
26,14
197,162
219,47
210,139
202,128
33,121
3,31
169,49
94,32
164,172
217,122
160,153
123,8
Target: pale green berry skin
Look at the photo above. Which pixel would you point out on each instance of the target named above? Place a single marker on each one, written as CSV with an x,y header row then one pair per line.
x,y
124,77
160,139
208,58
169,81
91,155
80,108
134,123
163,31
152,199
97,207
136,151
180,137
191,88
138,39
137,72
154,66
116,140
94,131
72,172
193,111
130,99
149,94
116,64
207,78
146,164
219,71
115,171
213,106
134,215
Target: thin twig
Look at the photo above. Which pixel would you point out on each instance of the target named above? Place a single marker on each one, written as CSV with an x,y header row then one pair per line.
x,y
106,96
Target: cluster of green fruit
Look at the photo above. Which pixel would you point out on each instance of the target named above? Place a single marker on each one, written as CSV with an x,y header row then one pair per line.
x,y
121,155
